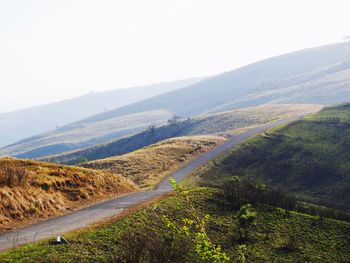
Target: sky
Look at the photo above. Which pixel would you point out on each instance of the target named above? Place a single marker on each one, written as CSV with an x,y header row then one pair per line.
x,y
57,49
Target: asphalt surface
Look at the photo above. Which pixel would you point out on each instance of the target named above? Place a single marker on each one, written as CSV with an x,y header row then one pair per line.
x,y
99,212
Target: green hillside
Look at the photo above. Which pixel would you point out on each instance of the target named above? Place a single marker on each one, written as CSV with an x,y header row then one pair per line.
x,y
310,158
278,236
219,123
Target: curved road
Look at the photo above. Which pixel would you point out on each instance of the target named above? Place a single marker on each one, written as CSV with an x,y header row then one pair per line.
x,y
99,212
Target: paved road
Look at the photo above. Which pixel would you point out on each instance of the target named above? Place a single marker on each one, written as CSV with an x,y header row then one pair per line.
x,y
107,209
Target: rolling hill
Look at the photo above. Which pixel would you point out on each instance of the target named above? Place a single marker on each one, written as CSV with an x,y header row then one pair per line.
x,y
150,165
32,191
309,158
219,123
317,75
28,122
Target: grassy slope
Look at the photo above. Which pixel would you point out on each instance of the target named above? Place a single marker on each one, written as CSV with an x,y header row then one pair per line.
x,y
310,158
208,124
147,166
31,191
315,240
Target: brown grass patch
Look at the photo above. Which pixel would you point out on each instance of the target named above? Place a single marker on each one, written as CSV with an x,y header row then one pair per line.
x,y
148,166
31,191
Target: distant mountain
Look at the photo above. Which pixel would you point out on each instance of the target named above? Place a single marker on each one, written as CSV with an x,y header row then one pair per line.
x,y
28,122
309,158
318,75
219,123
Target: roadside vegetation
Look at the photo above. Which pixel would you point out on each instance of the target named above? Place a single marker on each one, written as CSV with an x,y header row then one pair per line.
x,y
164,231
31,191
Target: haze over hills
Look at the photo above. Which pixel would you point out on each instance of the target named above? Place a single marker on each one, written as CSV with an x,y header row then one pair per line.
x,y
112,149
219,123
21,124
318,75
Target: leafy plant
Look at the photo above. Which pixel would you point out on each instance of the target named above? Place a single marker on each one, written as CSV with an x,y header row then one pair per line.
x,y
194,229
242,249
82,161
247,219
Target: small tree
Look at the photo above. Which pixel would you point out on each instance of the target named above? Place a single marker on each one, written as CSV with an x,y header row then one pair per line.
x,y
152,129
174,119
291,244
82,160
247,219
242,249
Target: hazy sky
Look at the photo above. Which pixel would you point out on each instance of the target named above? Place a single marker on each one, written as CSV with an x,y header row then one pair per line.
x,y
56,49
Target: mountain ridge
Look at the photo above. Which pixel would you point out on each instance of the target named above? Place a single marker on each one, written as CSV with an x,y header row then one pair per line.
x,y
318,75
220,123
28,122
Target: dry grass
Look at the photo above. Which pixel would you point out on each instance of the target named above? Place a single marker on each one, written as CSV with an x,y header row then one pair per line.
x,y
148,166
31,191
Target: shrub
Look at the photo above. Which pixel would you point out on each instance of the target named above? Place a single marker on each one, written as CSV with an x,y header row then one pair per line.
x,y
247,219
145,245
244,191
11,176
291,244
